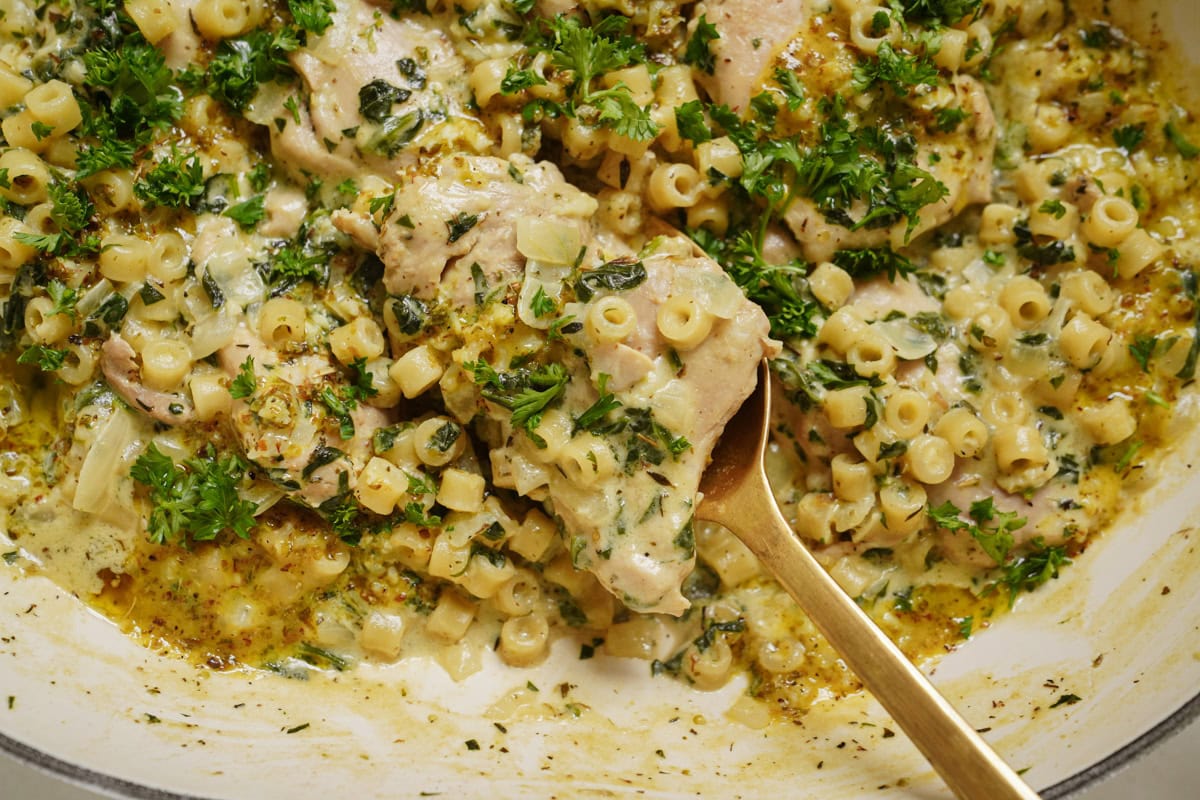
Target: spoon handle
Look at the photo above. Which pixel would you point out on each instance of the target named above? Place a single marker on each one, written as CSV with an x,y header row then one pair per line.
x,y
960,755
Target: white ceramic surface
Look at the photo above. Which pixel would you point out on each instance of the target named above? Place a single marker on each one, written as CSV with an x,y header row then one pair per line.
x,y
1120,633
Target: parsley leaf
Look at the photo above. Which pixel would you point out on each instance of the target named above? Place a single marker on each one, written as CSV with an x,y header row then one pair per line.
x,y
1142,348
1128,137
793,91
518,80
47,359
241,64
459,225
1029,570
245,383
698,53
375,99
901,71
689,119
527,393
247,213
72,208
339,408
312,15
997,541
63,297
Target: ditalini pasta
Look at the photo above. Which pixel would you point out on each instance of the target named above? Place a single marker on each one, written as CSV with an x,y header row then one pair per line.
x,y
347,330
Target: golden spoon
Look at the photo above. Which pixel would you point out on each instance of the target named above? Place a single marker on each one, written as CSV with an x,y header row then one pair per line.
x,y
737,495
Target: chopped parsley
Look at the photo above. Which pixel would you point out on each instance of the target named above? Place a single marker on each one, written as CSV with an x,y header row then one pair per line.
x,y
996,541
175,182
245,383
247,213
1128,137
1030,570
698,52
587,52
47,359
526,392
198,499
313,16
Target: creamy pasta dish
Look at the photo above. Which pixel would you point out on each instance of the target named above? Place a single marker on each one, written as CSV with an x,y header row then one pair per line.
x,y
339,331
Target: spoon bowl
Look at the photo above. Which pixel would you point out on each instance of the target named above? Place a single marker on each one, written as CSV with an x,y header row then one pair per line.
x,y
736,494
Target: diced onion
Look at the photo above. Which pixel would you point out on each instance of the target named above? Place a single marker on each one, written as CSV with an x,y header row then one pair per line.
x,y
550,280
213,332
909,342
713,291
93,491
232,271
548,241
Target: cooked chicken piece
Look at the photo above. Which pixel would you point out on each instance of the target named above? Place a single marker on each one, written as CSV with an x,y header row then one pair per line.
x,y
632,525
467,205
632,529
286,428
403,71
751,34
118,362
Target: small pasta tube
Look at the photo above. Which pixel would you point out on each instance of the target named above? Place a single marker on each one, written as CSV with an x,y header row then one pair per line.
x,y
54,104
417,371
281,322
13,86
221,19
906,411
154,18
964,431
1083,341
28,177
831,285
1138,251
842,329
380,485
930,459
439,440
852,480
1110,222
210,394
452,616
533,539
674,186
165,362
524,640
361,338
997,224
1110,422
1025,301
610,319
1089,292
683,323
519,595
1018,448
990,329
461,490
43,325
903,507
872,356
586,460
846,408
124,258
382,635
